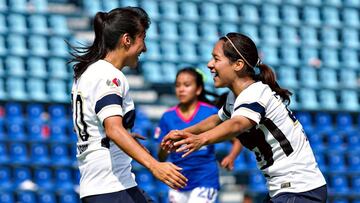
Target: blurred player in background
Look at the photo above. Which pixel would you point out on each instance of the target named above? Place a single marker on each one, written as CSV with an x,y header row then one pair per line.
x,y
256,112
103,112
201,167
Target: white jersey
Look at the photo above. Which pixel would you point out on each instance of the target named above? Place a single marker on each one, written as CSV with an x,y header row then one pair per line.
x,y
101,91
282,150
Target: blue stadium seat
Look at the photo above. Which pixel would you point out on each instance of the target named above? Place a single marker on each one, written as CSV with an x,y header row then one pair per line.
x,y
188,31
209,11
35,133
335,141
35,113
311,16
205,50
69,197
270,55
269,35
317,144
289,35
21,174
57,68
290,55
17,45
309,36
152,8
153,51
348,78
152,33
64,180
59,92
169,10
351,17
7,197
312,2
208,31
257,182
14,112
36,90
15,66
58,25
290,15
229,12
329,37
169,51
334,3
351,3
110,4
39,154
240,163
3,25
17,23
17,5
310,56
249,13
16,132
58,47
60,155
331,16
270,14
344,122
328,78
327,99
308,77
349,58
339,184
251,30
38,24
38,45
40,6
46,197
43,178
58,132
4,155
323,122
355,182
306,120
169,70
350,38
319,156
152,72
336,162
188,52
349,100
227,28
3,49
18,153
3,93
189,10
353,162
308,99
168,30
340,200
287,77
36,67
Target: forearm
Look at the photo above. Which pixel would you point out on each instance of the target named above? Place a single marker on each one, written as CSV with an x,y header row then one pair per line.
x,y
162,155
204,125
127,143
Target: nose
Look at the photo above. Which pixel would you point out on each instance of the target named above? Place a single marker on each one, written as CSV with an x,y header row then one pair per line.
x,y
210,64
144,49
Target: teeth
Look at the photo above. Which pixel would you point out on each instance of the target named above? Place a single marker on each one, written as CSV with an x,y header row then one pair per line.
x,y
214,74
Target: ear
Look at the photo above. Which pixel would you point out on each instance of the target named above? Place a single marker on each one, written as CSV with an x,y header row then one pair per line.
x,y
198,91
125,40
239,64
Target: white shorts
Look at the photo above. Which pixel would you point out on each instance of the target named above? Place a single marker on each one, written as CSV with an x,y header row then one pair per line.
x,y
197,195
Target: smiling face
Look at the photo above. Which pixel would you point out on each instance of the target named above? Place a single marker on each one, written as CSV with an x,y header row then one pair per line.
x,y
186,89
136,48
220,67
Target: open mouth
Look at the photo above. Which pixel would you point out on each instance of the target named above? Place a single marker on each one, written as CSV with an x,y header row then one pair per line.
x,y
214,74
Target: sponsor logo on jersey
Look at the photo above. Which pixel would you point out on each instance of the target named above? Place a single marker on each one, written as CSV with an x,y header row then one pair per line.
x,y
113,83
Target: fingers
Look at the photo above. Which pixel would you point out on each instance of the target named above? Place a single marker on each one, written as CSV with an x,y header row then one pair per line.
x,y
188,153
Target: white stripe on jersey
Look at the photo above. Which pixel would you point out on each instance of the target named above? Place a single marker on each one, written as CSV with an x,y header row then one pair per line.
x,y
283,152
104,167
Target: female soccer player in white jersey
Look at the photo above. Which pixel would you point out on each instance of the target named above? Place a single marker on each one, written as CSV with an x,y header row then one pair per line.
x,y
103,111
256,112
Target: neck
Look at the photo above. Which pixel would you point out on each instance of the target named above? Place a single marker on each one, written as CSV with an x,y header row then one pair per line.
x,y
241,84
188,107
116,59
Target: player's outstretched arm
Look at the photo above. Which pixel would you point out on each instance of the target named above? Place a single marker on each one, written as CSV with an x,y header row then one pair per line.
x,y
229,160
225,131
165,172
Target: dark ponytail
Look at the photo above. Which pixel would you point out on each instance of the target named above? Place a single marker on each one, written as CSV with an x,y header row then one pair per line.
x,y
267,76
249,53
108,28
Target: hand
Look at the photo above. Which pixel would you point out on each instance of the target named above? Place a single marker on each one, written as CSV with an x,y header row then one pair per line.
x,y
189,143
138,137
228,162
169,174
167,144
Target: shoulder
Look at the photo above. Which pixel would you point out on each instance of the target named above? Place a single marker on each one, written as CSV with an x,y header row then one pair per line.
x,y
207,106
169,112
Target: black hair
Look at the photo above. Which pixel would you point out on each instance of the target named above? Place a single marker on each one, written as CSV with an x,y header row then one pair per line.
x,y
199,82
249,54
108,28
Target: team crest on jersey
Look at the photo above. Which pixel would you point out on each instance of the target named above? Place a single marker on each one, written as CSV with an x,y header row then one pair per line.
x,y
113,83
